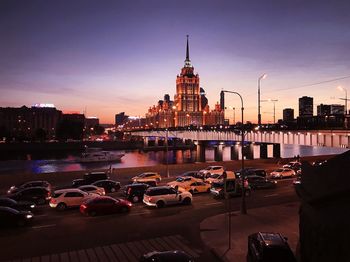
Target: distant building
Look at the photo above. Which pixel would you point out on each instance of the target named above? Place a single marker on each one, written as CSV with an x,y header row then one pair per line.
x,y
92,121
204,99
74,117
288,115
120,119
323,110
222,100
306,106
24,121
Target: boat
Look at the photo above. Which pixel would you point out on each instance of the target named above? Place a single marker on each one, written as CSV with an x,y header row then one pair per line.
x,y
98,155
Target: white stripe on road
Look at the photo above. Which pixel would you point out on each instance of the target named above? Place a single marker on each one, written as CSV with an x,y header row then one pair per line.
x,y
44,226
272,195
216,203
43,215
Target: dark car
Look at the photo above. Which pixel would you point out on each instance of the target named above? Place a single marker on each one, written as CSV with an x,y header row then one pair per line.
x,y
166,256
109,186
135,192
250,171
23,206
258,182
38,195
233,188
13,217
90,178
104,205
269,247
39,183
194,174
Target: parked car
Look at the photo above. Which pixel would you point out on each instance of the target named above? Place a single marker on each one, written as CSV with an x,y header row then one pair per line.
x,y
147,176
282,172
211,170
39,183
199,187
90,178
233,188
104,205
269,247
166,256
246,171
166,195
20,206
295,165
135,192
183,182
38,195
93,189
14,217
258,182
214,178
109,186
297,181
71,197
319,162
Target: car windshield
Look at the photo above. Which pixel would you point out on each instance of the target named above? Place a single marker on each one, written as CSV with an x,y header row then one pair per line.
x,y
279,170
179,179
214,176
208,168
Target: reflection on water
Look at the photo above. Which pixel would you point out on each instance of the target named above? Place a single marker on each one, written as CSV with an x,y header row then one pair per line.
x,y
139,158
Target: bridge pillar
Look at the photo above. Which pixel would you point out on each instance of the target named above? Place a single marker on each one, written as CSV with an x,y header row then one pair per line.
x,y
234,152
218,152
145,141
249,151
263,151
200,153
276,150
156,141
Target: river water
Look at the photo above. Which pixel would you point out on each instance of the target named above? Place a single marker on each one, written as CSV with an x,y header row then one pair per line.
x,y
66,162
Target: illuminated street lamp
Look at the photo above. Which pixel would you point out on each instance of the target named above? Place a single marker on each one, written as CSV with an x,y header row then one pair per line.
x,y
345,99
259,80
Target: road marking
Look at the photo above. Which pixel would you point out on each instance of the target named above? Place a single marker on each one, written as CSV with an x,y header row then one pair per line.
x,y
139,213
216,203
43,215
271,195
44,226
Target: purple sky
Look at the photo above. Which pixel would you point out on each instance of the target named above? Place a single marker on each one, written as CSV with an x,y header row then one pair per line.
x,y
112,56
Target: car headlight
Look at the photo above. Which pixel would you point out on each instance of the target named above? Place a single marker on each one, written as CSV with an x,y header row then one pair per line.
x,y
29,216
32,206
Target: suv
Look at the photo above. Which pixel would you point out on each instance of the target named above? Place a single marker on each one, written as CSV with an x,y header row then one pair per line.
x,y
269,247
38,195
90,178
250,171
72,197
166,195
39,183
258,182
135,192
211,170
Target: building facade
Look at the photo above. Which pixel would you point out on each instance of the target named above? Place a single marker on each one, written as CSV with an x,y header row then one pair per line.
x,y
288,115
306,105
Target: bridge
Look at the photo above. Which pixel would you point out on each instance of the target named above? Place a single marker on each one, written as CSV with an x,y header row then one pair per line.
x,y
267,141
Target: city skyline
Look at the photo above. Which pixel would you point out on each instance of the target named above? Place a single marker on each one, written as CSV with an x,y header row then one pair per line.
x,y
117,56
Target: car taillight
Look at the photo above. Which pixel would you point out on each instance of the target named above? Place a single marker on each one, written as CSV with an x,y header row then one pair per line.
x,y
129,190
149,198
53,201
83,206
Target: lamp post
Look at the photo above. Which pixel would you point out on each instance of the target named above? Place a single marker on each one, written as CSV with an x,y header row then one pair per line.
x,y
166,148
274,107
259,80
345,99
243,204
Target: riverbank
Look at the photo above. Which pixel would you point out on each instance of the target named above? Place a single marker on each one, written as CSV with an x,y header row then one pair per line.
x,y
124,174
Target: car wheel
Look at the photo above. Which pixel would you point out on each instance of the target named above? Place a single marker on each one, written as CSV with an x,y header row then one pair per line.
x,y
92,213
61,206
191,191
160,204
187,201
124,210
208,190
135,199
113,190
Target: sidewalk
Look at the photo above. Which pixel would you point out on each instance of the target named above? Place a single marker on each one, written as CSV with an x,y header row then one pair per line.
x,y
279,218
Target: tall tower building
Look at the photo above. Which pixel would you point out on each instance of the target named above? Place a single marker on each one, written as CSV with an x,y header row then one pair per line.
x,y
306,105
188,98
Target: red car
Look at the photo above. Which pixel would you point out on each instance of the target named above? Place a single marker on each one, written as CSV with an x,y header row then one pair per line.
x,y
104,205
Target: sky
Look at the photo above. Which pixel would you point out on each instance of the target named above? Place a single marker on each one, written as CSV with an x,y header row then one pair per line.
x,y
104,57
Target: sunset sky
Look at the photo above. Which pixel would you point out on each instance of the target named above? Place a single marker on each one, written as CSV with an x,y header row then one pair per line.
x,y
113,56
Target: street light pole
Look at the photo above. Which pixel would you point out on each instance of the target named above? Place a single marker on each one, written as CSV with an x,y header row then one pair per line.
x,y
166,148
274,107
346,98
259,115
243,204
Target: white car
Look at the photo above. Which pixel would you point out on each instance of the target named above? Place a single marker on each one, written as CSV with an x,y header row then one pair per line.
x,y
183,182
282,172
166,195
93,189
211,170
147,177
72,197
215,178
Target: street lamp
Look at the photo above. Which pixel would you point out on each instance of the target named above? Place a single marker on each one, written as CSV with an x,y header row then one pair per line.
x,y
274,107
259,80
345,99
243,204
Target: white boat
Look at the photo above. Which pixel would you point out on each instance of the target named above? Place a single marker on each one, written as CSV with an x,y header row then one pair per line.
x,y
98,155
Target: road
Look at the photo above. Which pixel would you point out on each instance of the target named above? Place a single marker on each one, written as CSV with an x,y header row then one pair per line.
x,y
54,232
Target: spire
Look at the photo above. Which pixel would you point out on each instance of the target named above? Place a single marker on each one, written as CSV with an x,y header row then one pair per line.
x,y
187,61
